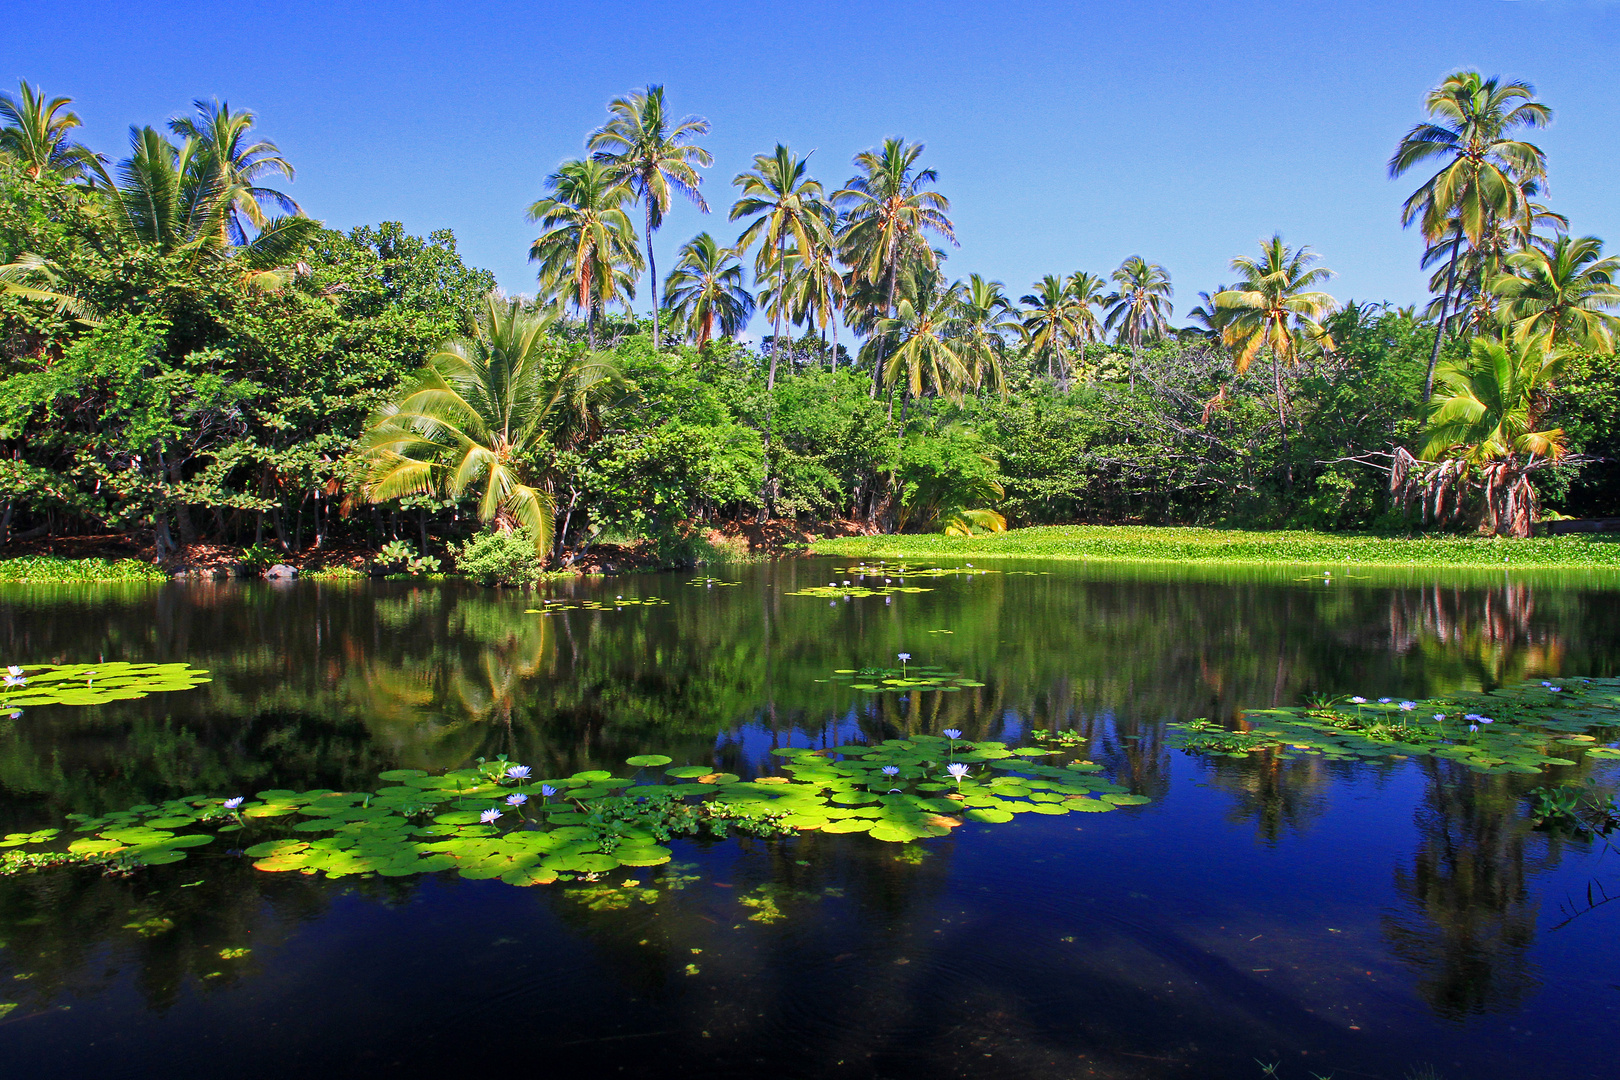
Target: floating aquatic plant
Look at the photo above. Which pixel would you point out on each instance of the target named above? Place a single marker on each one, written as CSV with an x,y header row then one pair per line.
x,y
1528,728
92,684
907,676
550,607
710,582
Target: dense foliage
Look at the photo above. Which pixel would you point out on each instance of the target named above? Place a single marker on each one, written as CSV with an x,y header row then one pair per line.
x,y
201,370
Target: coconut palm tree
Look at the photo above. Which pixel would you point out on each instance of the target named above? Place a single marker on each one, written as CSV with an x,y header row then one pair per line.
x,y
1089,293
1483,169
1050,324
925,346
484,411
1139,308
787,207
655,160
1208,315
36,134
1489,421
705,290
587,253
888,207
240,162
818,290
15,278
1273,306
174,200
1562,291
984,318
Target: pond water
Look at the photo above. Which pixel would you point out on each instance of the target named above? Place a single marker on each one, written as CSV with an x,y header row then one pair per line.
x,y
1310,917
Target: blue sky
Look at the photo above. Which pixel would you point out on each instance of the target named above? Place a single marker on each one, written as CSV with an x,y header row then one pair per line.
x,y
1067,136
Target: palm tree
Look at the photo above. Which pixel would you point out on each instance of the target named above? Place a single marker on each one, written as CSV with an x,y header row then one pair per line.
x,y
1484,171
36,134
705,290
1140,306
1560,291
1273,305
643,151
1089,292
174,200
984,317
14,278
1050,324
925,345
1489,421
588,250
887,208
222,137
483,412
818,291
787,207
1208,314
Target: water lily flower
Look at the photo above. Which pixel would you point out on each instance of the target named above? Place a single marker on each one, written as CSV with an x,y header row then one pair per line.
x,y
517,799
1408,706
952,734
1473,727
1439,716
1385,700
14,676
904,656
957,769
1544,682
1555,689
518,772
547,791
1486,720
488,817
17,715
891,770
232,804
1471,716
1359,700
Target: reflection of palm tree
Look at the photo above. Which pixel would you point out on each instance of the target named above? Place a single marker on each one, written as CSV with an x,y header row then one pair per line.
x,y
1280,796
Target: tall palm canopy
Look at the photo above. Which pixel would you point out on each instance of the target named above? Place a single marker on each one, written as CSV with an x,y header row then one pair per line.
x,y
926,349
705,291
787,207
1050,323
1485,172
1139,309
587,253
888,206
1273,306
1561,292
655,160
226,147
482,413
35,133
984,318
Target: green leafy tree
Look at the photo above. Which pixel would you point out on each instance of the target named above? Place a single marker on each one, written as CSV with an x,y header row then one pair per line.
x,y
654,159
482,417
1051,325
1483,169
888,207
984,319
924,347
239,162
705,291
1089,294
1273,306
587,253
1139,308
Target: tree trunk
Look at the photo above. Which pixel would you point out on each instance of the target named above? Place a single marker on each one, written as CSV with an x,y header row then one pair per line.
x,y
888,305
652,273
1440,327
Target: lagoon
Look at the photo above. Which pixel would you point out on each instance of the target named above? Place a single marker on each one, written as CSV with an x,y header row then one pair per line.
x,y
1324,917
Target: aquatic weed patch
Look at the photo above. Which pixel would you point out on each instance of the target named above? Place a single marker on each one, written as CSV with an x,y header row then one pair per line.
x,y
497,821
904,678
48,568
1515,729
550,607
24,685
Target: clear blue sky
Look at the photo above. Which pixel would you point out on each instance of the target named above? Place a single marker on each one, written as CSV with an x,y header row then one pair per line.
x,y
1067,136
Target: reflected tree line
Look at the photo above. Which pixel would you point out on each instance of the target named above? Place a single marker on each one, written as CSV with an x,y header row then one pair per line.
x,y
328,686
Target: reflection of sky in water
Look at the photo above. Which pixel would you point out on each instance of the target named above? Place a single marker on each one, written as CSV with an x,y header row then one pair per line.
x,y
1343,918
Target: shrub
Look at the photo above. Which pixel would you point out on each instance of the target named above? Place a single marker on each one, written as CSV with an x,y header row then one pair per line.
x,y
500,558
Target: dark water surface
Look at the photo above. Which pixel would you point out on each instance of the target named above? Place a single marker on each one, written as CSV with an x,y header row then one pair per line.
x,y
1352,919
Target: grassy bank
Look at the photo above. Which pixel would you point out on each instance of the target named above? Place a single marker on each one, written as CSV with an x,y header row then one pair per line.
x,y
38,569
1143,544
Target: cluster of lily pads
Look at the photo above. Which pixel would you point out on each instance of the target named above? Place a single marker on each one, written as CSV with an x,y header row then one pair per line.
x,y
497,820
549,607
1514,729
906,677
710,582
90,684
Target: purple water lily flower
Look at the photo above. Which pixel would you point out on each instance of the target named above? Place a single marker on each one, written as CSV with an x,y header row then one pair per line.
x,y
17,714
14,676
1473,727
1359,700
1486,720
957,770
904,656
547,791
516,800
1439,716
891,770
1556,689
1408,706
518,772
489,817
952,734
1471,716
232,804
1385,700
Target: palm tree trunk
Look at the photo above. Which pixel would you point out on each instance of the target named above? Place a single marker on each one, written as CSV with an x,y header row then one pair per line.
x,y
652,274
1440,327
888,306
834,322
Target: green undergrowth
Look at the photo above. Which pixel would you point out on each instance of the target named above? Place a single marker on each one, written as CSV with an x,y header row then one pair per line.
x,y
496,821
1139,543
1515,729
34,569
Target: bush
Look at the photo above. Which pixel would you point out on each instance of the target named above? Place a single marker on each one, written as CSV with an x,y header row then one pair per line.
x,y
500,558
